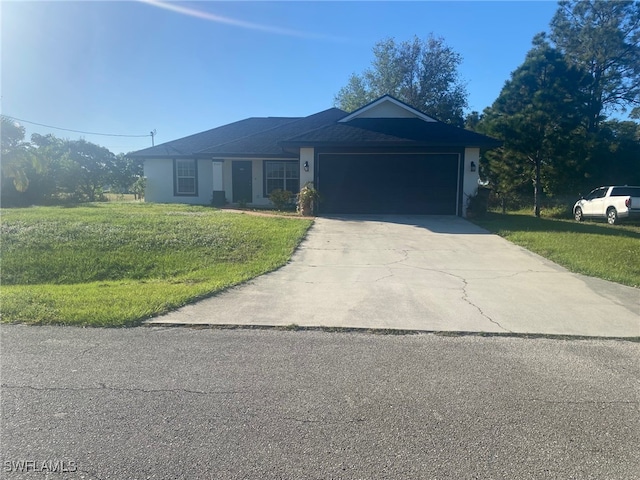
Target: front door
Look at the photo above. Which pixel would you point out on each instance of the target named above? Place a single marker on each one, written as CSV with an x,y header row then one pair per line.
x,y
242,181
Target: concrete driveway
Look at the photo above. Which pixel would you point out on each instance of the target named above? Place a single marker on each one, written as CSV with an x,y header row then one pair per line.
x,y
429,273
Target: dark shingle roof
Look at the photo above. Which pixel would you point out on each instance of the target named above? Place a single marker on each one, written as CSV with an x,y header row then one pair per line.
x,y
199,141
391,131
279,136
267,142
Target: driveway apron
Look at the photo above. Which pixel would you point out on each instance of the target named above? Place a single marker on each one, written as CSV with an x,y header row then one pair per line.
x,y
428,273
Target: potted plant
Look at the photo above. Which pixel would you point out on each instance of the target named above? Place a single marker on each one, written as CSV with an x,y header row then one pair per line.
x,y
307,199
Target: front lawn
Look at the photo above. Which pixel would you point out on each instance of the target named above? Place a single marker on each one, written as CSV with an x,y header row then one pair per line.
x,y
116,264
611,252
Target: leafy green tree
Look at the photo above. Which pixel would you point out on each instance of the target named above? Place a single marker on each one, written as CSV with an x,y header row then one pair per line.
x,y
18,161
91,167
139,187
603,39
423,74
126,171
615,154
53,155
55,169
79,169
472,120
538,115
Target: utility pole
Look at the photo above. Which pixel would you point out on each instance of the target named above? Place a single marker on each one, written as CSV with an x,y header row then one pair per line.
x,y
153,134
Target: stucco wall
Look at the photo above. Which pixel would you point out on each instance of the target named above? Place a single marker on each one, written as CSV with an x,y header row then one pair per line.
x,y
387,110
257,184
470,185
159,173
306,155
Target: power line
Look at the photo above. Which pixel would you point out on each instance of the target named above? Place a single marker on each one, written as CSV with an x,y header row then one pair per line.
x,y
80,131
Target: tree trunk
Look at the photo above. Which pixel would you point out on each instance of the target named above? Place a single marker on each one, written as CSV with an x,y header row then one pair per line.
x,y
537,187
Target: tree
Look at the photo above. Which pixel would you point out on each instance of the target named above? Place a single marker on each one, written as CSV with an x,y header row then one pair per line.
x,y
423,74
90,168
126,171
538,115
49,169
58,177
77,168
616,154
139,187
603,39
472,120
18,161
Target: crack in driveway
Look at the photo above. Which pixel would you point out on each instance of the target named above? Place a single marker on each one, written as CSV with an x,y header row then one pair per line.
x,y
465,297
369,283
465,293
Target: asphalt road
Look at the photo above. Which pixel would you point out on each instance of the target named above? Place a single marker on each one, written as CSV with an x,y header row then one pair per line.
x,y
186,403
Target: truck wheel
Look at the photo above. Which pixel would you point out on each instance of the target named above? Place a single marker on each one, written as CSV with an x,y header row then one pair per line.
x,y
578,214
612,216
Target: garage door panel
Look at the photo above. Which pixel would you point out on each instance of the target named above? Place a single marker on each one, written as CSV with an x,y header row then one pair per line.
x,y
389,183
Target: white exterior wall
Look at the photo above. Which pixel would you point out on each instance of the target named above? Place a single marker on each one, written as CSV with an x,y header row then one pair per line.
x,y
159,174
307,155
226,180
218,182
257,185
470,184
159,189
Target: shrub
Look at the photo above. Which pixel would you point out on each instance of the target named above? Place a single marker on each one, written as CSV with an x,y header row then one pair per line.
x,y
280,198
477,204
139,187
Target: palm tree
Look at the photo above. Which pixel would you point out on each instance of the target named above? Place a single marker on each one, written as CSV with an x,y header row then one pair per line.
x,y
17,155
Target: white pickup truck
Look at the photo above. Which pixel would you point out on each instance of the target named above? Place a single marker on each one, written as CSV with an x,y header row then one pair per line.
x,y
610,203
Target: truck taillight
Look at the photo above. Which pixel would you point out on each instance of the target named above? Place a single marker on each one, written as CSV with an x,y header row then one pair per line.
x,y
627,202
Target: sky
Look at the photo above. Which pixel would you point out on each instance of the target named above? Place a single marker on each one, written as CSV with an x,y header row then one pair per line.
x,y
179,68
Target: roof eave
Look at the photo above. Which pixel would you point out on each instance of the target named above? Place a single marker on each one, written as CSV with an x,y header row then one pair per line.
x,y
308,144
159,156
245,155
208,156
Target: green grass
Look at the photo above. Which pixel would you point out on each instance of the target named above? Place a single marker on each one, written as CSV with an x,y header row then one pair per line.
x,y
610,252
116,264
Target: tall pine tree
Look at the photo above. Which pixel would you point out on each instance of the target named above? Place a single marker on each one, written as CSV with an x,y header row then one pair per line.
x,y
538,115
603,39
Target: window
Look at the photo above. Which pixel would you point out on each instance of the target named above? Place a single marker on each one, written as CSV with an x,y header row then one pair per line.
x,y
185,175
597,193
281,174
625,192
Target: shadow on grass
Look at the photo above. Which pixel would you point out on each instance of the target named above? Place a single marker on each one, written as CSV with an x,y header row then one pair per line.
x,y
497,222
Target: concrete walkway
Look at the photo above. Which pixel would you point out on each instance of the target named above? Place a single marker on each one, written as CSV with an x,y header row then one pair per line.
x,y
420,273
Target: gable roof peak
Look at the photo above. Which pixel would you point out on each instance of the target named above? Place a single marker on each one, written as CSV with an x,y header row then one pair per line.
x,y
387,106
